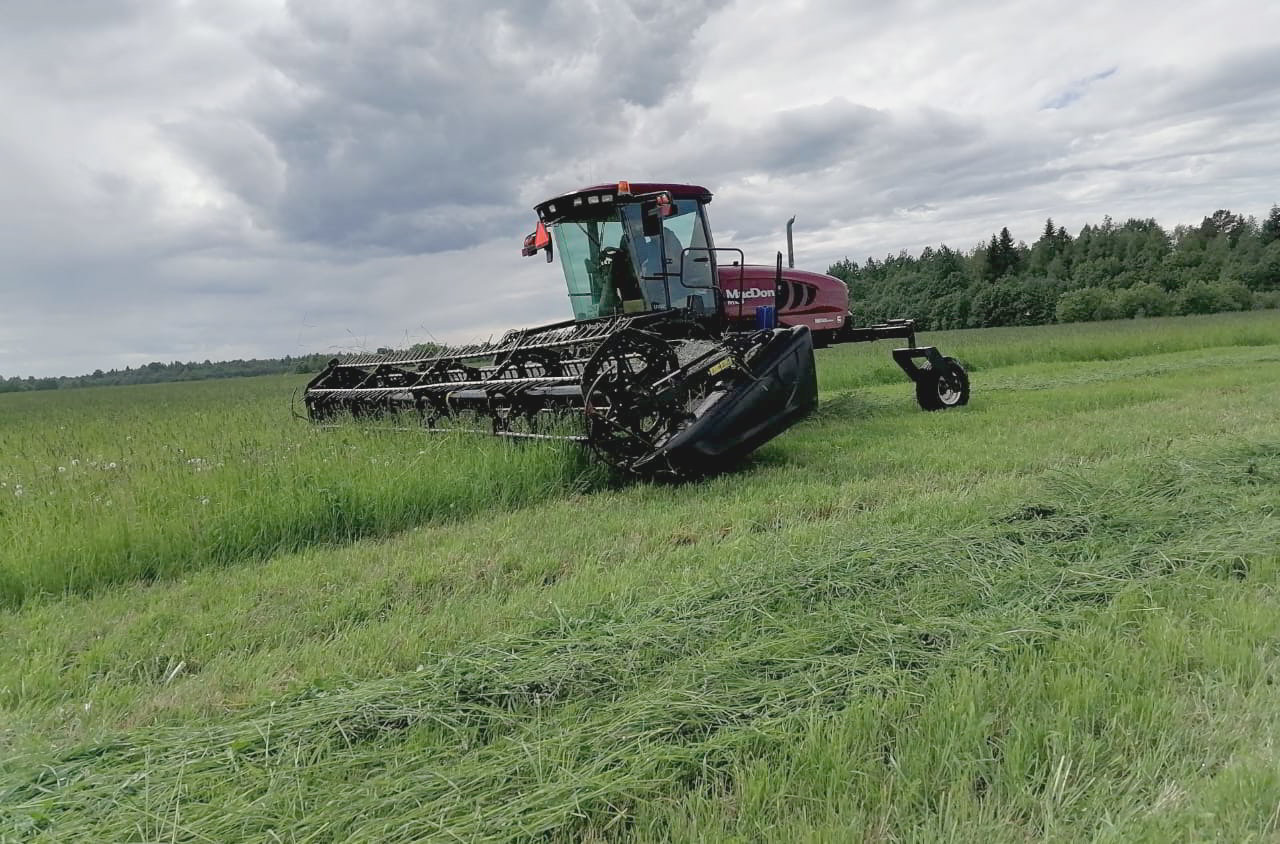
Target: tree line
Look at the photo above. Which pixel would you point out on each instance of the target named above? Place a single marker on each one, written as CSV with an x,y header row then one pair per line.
x,y
1109,271
157,372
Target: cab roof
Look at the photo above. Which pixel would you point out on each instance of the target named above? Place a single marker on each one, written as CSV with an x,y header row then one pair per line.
x,y
557,207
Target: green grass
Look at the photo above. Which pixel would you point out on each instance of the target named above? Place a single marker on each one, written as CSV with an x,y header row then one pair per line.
x,y
146,482
1051,615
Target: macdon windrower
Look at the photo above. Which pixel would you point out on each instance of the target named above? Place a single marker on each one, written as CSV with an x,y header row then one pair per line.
x,y
680,357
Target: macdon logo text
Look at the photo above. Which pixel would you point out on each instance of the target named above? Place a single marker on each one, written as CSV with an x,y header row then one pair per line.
x,y
749,293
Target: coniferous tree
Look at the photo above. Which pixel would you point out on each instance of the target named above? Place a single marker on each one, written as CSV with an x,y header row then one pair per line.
x,y
993,268
1009,257
1270,229
1045,250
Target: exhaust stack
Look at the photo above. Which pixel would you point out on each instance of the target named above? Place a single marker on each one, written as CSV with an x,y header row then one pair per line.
x,y
791,254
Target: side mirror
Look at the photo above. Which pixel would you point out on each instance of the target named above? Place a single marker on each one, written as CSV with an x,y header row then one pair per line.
x,y
538,241
653,211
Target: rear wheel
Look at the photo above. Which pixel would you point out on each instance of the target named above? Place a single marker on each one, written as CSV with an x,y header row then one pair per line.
x,y
943,387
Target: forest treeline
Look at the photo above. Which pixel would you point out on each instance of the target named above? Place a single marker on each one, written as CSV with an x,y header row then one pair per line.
x,y
1108,271
157,372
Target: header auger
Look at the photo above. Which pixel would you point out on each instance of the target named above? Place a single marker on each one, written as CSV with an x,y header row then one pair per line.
x,y
674,363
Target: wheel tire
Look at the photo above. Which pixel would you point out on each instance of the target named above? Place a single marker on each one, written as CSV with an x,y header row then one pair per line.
x,y
942,388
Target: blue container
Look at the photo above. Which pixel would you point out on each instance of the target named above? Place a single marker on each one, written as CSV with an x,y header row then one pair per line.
x,y
766,317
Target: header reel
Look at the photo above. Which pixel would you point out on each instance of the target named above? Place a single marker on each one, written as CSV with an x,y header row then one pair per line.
x,y
644,402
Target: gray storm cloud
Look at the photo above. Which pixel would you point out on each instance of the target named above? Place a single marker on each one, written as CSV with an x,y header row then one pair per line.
x,y
220,179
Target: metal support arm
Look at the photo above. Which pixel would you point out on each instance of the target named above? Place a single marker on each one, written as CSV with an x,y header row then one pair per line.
x,y
891,329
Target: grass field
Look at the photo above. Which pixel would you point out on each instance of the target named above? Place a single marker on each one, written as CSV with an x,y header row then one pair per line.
x,y
1050,615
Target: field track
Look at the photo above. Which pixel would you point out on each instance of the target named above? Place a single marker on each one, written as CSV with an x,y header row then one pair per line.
x,y
1050,615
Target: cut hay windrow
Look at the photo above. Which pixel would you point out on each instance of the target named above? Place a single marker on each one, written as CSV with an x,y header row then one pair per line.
x,y
583,722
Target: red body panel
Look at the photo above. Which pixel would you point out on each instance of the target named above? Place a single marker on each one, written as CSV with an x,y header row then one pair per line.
x,y
815,300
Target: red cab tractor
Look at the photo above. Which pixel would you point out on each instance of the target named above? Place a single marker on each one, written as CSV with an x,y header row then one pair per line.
x,y
680,357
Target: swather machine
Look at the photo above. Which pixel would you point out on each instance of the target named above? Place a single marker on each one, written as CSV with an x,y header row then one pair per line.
x,y
680,358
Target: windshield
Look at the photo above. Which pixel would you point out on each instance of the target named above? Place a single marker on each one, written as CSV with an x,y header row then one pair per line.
x,y
592,255
676,268
600,258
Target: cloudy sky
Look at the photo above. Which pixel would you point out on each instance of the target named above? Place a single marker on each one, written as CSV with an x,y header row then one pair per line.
x,y
231,178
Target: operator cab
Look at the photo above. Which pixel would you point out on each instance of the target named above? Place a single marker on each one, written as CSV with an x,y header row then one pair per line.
x,y
631,248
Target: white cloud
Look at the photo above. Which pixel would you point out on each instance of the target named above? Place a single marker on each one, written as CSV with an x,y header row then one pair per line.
x,y
213,179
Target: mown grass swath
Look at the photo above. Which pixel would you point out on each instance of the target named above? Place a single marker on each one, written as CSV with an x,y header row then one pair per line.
x,y
657,714
1051,615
